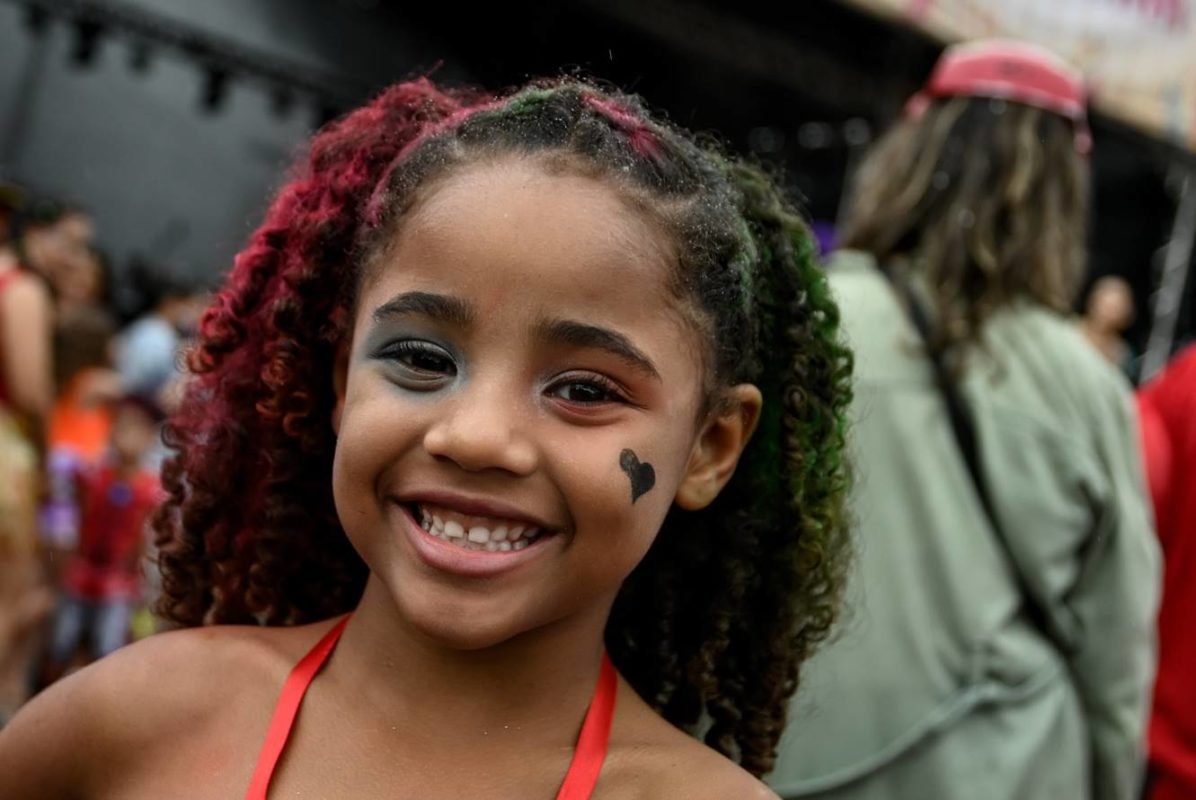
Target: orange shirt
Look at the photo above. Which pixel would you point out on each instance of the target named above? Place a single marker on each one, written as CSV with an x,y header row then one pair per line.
x,y
79,426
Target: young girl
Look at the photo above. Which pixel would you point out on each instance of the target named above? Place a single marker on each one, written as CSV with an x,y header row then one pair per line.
x,y
463,433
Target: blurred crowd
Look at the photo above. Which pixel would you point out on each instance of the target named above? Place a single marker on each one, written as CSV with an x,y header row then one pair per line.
x,y
84,387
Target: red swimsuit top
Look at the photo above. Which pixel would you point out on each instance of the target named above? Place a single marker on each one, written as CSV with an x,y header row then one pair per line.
x,y
579,780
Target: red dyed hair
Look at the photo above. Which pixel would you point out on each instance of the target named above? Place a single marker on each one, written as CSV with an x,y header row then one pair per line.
x,y
254,370
712,626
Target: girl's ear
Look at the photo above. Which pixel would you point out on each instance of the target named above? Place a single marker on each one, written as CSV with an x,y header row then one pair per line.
x,y
718,447
340,380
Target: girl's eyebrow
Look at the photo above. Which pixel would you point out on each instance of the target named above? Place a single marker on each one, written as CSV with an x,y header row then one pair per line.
x,y
441,307
582,335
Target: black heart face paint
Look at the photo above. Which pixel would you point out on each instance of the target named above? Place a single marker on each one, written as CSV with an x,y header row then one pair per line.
x,y
643,476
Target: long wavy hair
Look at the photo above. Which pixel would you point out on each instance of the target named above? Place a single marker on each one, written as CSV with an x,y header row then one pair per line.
x,y
730,600
986,199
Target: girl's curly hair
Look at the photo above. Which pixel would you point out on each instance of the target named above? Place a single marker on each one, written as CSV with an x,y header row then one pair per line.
x,y
712,626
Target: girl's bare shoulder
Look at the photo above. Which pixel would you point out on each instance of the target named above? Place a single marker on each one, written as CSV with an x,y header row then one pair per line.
x,y
651,759
200,690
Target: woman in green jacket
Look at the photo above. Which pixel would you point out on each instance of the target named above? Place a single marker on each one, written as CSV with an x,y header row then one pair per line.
x,y
998,633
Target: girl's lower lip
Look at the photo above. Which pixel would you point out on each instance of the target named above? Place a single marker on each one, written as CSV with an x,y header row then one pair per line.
x,y
441,555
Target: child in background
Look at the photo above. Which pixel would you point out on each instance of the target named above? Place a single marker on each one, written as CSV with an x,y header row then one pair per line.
x,y
102,581
147,352
80,423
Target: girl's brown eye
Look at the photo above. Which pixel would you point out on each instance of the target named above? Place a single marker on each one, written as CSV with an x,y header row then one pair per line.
x,y
424,361
419,359
583,393
589,390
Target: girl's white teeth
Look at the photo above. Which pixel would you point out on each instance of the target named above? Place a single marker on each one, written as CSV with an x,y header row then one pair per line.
x,y
500,539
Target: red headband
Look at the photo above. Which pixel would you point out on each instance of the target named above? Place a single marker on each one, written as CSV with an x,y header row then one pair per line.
x,y
1009,70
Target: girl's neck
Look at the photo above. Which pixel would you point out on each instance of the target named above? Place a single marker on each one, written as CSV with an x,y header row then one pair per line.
x,y
537,685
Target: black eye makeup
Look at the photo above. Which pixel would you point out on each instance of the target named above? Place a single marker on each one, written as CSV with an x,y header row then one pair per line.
x,y
409,345
416,363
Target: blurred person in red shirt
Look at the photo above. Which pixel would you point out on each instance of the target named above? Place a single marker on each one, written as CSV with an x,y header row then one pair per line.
x,y
101,584
1168,411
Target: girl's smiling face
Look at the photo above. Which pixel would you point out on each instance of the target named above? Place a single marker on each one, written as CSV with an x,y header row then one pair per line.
x,y
520,403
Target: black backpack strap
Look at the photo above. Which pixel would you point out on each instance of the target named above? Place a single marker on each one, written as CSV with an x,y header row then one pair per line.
x,y
965,438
